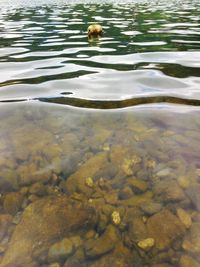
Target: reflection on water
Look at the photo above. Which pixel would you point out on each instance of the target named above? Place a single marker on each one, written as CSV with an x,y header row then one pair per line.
x,y
45,50
99,162
101,188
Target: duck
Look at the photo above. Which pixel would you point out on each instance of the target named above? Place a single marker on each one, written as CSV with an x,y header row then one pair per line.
x,y
94,29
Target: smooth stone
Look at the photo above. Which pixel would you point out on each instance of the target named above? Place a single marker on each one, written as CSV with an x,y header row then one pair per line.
x,y
193,193
151,208
129,163
38,189
104,244
169,190
146,244
76,241
191,242
125,193
76,182
164,172
188,261
5,223
13,202
161,265
43,222
29,174
119,257
137,185
111,198
8,180
184,217
54,264
77,259
60,250
183,181
164,227
138,200
137,230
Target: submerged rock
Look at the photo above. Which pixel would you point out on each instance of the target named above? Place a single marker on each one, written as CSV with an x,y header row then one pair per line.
x,y
191,242
119,257
12,202
60,250
151,207
76,182
164,227
116,217
8,180
104,244
138,200
184,217
169,190
5,223
146,244
187,261
137,185
194,194
137,230
42,223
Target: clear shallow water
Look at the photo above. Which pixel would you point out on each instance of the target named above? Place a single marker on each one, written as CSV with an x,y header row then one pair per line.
x,y
99,138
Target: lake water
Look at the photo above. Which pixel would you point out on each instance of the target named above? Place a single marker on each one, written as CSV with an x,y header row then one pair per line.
x,y
99,137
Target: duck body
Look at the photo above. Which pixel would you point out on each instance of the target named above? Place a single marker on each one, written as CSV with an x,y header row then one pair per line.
x,y
95,29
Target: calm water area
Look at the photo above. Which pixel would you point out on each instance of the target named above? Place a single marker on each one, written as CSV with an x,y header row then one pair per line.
x,y
99,136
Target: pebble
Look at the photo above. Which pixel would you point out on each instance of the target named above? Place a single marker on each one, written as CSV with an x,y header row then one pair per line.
x,y
184,217
12,202
151,207
183,181
146,244
116,217
60,250
89,182
164,172
54,264
187,261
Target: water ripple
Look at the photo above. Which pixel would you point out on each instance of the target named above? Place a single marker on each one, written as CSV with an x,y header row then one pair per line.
x,y
147,50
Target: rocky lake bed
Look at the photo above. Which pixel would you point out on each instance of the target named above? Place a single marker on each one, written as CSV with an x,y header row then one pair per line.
x,y
99,188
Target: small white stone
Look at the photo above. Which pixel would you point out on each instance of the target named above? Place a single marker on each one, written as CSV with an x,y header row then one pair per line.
x,y
89,182
146,244
116,217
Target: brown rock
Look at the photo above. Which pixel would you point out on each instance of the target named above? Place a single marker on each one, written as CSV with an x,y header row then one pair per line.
x,y
138,200
38,189
184,217
164,228
187,261
8,180
104,244
169,190
30,173
137,230
125,193
42,223
5,222
12,202
137,185
76,182
194,194
151,207
191,243
119,257
60,250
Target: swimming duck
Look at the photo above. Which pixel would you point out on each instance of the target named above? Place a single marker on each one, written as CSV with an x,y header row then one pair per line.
x,y
95,29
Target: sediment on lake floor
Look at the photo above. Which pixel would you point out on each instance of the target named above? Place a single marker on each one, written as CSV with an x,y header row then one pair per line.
x,y
120,190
